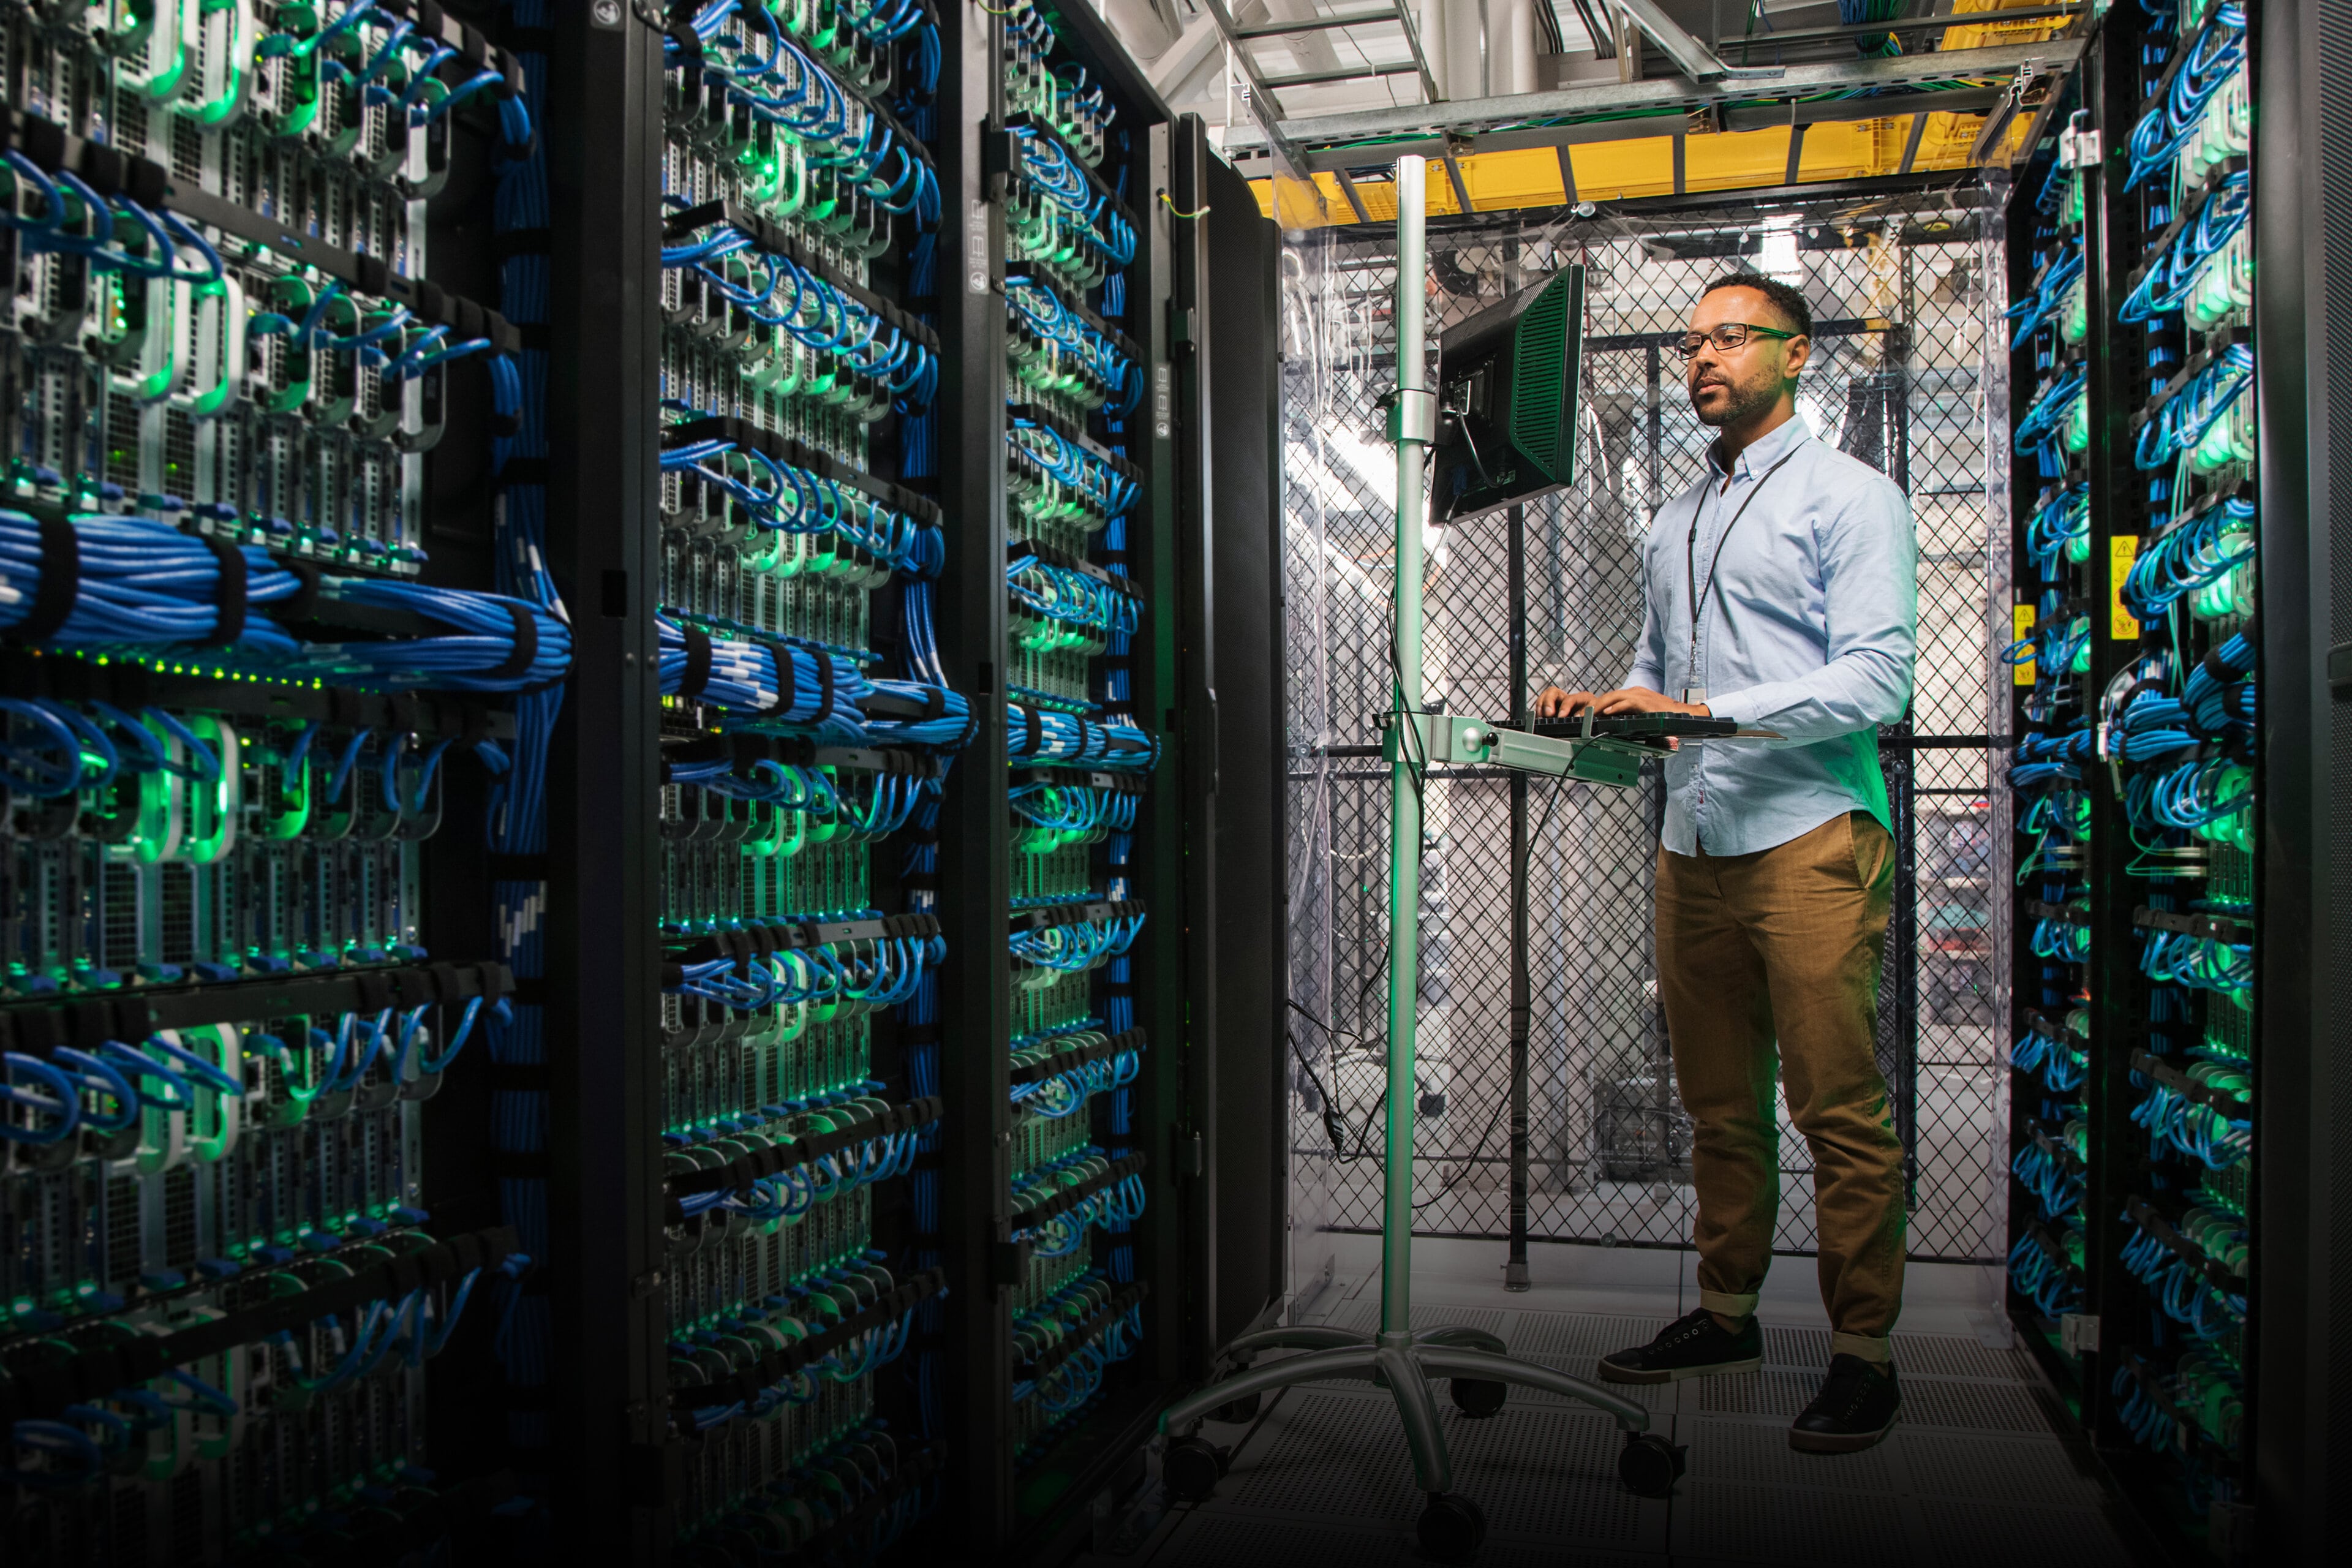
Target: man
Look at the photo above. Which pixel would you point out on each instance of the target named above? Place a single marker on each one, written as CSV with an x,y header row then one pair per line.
x,y
1780,592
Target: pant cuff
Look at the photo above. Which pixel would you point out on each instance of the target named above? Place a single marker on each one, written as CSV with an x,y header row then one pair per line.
x,y
1729,1305
1869,1347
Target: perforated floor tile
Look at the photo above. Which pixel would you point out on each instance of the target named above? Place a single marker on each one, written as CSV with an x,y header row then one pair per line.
x,y
1759,1453
1658,1398
1328,1454
1974,1473
1950,1355
1364,1314
1995,1469
1468,1317
1768,1393
1970,1535
1251,1541
1789,1524
1566,1335
1551,1473
1804,1348
1985,1406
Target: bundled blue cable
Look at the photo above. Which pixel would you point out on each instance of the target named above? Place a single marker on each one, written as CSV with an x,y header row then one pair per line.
x,y
771,79
2180,1290
2182,420
2055,1182
813,312
2164,130
131,584
97,582
75,220
1037,453
2171,279
2049,296
2201,550
2199,963
765,684
945,722
2058,1063
1072,599
2043,759
1050,171
2060,526
2052,1287
2217,698
1073,948
2041,433
1108,377
1039,737
2194,1128
501,644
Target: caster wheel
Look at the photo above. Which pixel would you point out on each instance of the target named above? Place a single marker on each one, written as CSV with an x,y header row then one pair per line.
x,y
1240,1410
1191,1469
1451,1527
1649,1465
1478,1397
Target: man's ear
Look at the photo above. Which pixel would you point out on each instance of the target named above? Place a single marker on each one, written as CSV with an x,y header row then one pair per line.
x,y
1800,350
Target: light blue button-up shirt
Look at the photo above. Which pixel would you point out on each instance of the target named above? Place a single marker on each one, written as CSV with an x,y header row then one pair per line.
x,y
1810,629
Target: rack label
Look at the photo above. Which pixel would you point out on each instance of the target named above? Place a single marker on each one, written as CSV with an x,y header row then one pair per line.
x,y
2122,549
2020,627
976,242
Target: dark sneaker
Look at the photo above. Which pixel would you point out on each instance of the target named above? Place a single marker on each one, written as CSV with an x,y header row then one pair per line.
x,y
1857,1403
1695,1346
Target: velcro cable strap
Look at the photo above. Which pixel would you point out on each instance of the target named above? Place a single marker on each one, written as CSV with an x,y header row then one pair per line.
x,y
788,681
525,652
229,597
698,664
1037,725
60,584
305,601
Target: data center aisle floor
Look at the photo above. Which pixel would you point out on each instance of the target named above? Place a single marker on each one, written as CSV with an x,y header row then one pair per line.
x,y
1976,1470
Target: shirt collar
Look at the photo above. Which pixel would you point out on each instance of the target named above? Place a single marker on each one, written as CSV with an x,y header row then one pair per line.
x,y
1760,455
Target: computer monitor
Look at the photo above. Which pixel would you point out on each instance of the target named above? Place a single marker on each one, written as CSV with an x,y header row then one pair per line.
x,y
1509,379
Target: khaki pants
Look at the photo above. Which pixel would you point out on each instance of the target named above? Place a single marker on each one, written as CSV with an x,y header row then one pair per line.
x,y
1783,945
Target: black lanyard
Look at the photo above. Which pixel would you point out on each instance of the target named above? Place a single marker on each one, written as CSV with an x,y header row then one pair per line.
x,y
1690,567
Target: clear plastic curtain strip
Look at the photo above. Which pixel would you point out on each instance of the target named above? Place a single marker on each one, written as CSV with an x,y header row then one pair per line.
x,y
1909,366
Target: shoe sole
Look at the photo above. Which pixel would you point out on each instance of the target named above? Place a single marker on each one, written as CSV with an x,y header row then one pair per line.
x,y
1841,1443
1611,1372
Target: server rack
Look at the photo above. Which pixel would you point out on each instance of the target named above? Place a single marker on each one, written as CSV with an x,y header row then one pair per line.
x,y
1028,1114
2164,1062
262,414
790,504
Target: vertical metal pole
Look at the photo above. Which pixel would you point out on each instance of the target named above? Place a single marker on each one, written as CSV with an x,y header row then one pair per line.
x,y
1515,1270
1404,797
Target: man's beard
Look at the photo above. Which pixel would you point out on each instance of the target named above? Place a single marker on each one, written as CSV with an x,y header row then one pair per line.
x,y
1740,403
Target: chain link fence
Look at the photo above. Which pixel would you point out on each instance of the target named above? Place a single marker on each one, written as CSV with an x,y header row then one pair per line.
x,y
1907,347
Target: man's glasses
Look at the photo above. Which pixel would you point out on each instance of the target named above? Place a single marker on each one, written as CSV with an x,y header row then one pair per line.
x,y
1726,336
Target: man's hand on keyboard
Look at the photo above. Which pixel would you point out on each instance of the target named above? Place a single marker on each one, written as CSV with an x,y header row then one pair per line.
x,y
1554,703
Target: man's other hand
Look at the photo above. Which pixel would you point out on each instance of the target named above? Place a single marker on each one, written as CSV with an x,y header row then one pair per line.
x,y
1554,703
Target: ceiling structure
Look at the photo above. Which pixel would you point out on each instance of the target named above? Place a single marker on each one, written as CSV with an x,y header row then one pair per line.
x,y
1550,102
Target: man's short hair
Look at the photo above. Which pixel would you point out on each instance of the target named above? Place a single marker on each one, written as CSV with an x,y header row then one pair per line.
x,y
1788,301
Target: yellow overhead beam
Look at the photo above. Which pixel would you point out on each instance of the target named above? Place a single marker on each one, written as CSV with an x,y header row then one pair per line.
x,y
1725,162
